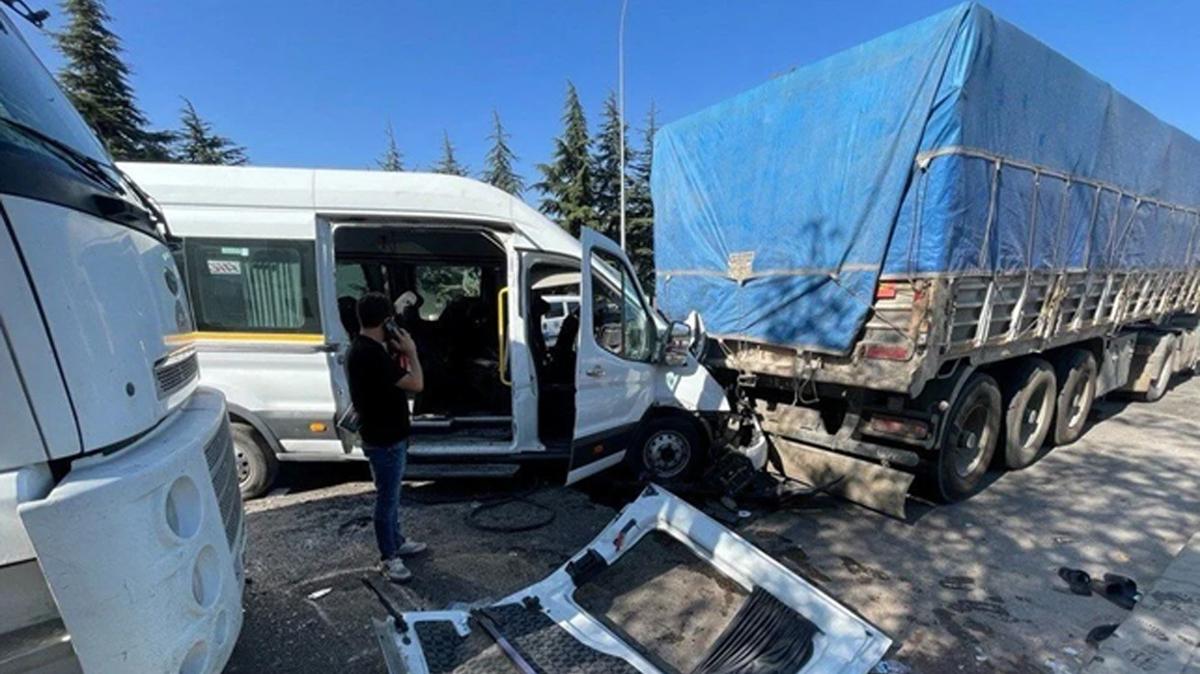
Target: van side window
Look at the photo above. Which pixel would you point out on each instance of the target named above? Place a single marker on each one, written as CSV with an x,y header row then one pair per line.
x,y
620,323
253,285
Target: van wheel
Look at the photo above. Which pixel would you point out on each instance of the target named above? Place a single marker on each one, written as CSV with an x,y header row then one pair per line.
x,y
1076,393
668,449
1029,396
1158,385
969,439
256,463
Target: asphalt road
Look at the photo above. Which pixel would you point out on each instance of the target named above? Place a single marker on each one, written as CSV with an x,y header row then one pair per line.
x,y
965,588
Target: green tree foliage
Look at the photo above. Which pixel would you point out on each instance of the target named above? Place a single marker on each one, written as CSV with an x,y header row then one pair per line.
x,y
566,183
639,208
391,159
448,163
606,170
97,81
498,164
197,143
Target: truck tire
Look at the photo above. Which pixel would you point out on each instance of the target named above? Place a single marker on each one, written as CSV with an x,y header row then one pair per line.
x,y
969,439
1160,383
256,463
667,449
1029,402
1076,393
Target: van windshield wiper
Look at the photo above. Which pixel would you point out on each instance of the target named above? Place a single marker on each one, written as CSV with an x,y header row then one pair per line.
x,y
148,201
93,168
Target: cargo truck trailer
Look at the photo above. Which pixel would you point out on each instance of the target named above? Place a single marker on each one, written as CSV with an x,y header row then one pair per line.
x,y
931,253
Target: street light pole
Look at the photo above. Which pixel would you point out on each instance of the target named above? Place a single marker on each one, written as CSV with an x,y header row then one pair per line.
x,y
621,110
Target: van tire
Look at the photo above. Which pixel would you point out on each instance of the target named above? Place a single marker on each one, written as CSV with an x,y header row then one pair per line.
x,y
256,463
1030,394
969,440
667,450
1160,383
1077,377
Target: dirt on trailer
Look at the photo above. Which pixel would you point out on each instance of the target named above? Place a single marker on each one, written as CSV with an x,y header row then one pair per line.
x,y
971,587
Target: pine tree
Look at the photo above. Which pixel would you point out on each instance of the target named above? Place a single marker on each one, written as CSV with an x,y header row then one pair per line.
x,y
640,209
97,81
448,164
567,180
391,159
498,164
197,143
606,170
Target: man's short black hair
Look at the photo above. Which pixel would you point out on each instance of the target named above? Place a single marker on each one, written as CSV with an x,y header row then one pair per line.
x,y
373,310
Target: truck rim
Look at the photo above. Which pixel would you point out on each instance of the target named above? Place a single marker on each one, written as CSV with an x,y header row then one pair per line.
x,y
1164,375
971,435
666,453
1079,402
1035,414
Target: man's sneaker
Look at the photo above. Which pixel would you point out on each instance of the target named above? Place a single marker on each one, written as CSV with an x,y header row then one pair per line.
x,y
395,570
410,548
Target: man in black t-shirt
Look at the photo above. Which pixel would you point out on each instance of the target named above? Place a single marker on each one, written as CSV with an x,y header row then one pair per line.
x,y
382,367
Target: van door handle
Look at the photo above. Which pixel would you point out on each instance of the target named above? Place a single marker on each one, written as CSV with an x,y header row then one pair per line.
x,y
595,371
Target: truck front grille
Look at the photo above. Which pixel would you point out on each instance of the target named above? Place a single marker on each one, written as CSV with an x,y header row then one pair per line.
x,y
174,374
219,453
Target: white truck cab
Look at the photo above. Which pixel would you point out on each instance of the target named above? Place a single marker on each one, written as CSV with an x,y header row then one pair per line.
x,y
121,531
275,260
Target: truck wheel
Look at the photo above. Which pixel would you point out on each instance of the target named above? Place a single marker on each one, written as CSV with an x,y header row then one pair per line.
x,y
256,463
1028,411
1076,392
1158,385
668,449
969,439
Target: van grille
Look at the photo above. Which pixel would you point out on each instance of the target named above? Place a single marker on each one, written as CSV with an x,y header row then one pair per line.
x,y
219,453
174,375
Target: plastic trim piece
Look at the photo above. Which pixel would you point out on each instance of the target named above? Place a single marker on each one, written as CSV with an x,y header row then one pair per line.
x,y
841,641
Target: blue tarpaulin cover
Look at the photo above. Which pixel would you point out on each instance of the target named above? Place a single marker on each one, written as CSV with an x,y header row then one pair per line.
x,y
958,144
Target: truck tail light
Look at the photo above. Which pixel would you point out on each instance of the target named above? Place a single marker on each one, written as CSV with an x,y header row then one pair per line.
x,y
912,429
886,291
887,351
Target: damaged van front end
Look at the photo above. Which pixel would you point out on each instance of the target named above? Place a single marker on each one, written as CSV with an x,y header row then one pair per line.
x,y
605,611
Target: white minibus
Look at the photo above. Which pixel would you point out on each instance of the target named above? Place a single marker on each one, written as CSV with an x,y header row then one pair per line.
x,y
121,532
275,258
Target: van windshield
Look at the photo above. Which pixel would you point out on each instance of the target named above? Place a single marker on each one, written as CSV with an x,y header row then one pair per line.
x,y
30,97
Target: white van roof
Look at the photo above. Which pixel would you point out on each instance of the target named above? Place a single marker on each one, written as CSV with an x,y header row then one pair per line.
x,y
183,190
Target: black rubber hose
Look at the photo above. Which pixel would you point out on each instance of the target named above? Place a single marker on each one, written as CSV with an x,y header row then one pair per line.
x,y
547,516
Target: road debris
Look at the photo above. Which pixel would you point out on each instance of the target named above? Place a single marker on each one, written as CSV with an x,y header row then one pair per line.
x,y
320,593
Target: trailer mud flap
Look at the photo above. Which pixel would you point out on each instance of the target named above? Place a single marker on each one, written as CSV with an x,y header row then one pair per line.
x,y
779,623
868,484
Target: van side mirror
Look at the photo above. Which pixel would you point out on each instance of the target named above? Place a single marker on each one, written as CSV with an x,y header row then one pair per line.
x,y
679,342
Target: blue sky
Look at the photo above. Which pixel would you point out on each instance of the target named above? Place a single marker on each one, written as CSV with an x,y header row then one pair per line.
x,y
305,83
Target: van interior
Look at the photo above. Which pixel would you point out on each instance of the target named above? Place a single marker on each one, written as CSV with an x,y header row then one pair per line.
x,y
552,333
446,286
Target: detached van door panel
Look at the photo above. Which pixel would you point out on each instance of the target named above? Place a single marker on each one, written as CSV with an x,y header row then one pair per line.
x,y
614,366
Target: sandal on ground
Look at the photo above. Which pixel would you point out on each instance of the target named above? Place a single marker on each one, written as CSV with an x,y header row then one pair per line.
x,y
1078,580
1121,590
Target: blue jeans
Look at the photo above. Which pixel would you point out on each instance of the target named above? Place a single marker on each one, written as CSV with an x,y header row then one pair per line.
x,y
387,469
